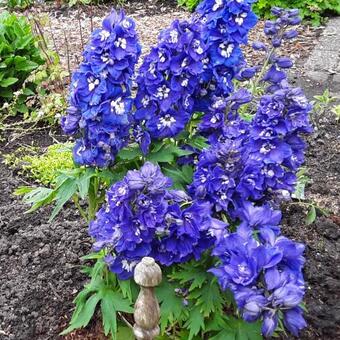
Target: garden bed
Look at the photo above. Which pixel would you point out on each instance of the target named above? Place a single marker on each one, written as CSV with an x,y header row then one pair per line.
x,y
39,261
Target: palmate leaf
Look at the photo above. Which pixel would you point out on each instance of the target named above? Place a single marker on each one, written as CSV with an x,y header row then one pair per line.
x,y
238,329
210,299
167,153
193,276
63,194
97,292
124,333
84,314
195,322
111,303
171,304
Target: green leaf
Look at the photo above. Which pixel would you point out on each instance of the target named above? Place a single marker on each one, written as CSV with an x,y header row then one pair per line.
x,y
83,182
93,256
8,81
177,151
188,172
120,304
85,314
23,64
196,277
198,142
162,156
130,153
209,298
63,194
27,92
224,335
108,316
36,197
195,322
238,329
311,216
125,286
124,333
171,304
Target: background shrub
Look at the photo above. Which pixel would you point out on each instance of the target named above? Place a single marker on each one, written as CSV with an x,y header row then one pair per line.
x,y
189,4
312,10
19,55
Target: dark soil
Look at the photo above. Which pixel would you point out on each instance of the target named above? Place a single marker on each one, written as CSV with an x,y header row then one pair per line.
x,y
39,263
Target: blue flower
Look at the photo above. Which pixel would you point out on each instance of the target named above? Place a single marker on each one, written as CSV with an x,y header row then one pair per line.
x,y
143,217
294,321
100,102
168,80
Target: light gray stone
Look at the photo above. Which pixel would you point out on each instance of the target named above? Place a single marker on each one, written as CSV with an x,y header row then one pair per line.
x,y
317,76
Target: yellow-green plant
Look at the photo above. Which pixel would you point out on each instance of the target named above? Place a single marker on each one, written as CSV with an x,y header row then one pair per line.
x,y
43,168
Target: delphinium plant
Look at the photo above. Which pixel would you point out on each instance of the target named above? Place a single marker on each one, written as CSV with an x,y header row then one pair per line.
x,y
200,159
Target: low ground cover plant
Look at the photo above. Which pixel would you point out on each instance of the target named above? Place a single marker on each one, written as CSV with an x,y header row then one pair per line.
x,y
43,167
191,170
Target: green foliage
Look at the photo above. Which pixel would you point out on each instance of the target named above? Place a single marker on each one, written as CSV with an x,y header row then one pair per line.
x,y
44,168
311,10
336,111
189,4
16,4
194,307
77,183
102,293
19,56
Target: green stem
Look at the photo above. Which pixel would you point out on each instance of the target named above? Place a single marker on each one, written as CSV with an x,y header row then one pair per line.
x,y
92,199
81,210
263,70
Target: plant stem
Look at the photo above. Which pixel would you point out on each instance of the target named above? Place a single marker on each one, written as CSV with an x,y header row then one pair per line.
x,y
81,210
263,70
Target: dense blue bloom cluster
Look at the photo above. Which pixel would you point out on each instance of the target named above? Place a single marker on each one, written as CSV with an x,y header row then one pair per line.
x,y
167,81
255,161
100,92
191,68
249,167
264,273
226,26
143,217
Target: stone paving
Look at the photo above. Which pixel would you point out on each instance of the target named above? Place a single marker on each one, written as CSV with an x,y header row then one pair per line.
x,y
323,65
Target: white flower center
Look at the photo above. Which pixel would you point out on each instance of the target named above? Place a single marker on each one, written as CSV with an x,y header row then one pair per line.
x,y
197,46
129,266
173,36
93,83
126,23
118,106
184,62
185,82
104,34
217,5
121,42
162,92
226,49
166,121
267,147
145,101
